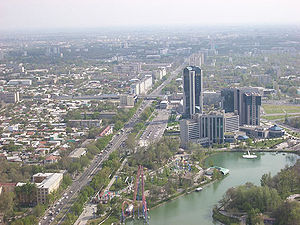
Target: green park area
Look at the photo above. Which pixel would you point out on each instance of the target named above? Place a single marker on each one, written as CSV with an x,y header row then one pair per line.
x,y
272,109
279,117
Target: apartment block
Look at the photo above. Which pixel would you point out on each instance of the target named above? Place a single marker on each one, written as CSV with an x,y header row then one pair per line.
x,y
46,184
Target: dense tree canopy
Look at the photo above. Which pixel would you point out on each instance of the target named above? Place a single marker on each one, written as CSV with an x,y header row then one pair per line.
x,y
270,198
248,196
156,154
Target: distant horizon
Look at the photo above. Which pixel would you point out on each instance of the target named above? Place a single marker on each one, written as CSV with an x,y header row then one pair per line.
x,y
87,14
149,27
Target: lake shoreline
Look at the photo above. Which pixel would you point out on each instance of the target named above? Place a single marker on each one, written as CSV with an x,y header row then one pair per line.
x,y
213,193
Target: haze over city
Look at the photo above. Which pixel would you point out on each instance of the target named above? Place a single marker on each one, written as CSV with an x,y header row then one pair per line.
x,y
49,14
157,112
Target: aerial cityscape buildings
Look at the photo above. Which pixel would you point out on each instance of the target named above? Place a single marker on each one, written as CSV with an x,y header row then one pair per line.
x,y
245,101
193,90
90,120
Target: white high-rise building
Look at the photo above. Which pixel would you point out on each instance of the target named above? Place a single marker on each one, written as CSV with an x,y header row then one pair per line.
x,y
135,88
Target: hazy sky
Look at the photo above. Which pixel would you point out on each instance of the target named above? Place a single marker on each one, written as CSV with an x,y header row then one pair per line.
x,y
32,14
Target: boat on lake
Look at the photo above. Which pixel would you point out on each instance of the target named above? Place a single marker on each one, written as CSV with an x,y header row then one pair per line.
x,y
199,189
249,156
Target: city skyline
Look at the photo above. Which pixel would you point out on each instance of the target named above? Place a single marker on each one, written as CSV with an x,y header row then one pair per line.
x,y
33,14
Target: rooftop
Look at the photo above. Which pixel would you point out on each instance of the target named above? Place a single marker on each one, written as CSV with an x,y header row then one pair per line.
x,y
48,182
77,153
276,128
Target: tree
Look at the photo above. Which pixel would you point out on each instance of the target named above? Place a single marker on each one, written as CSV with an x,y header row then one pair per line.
x,y
77,208
93,132
84,161
130,141
26,194
69,130
100,209
266,179
67,180
7,203
255,217
288,213
92,149
118,125
38,210
249,196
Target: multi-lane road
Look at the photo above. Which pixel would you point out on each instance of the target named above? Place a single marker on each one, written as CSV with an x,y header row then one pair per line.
x,y
155,128
63,205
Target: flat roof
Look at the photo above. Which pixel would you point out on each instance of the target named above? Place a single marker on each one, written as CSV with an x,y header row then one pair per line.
x,y
42,174
77,153
48,182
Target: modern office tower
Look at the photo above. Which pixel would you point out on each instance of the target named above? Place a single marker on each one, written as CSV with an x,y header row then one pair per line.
x,y
229,100
204,129
251,108
212,127
190,132
231,121
212,98
193,90
245,101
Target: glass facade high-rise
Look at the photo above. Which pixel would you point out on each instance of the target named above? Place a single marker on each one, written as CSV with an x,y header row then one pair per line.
x,y
193,90
245,102
207,129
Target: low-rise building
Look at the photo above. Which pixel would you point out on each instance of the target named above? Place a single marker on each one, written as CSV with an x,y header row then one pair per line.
x,y
85,123
107,131
23,82
10,97
276,132
255,131
77,153
7,187
107,115
126,101
163,104
46,184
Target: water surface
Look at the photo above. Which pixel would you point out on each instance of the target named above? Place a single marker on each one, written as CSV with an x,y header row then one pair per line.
x,y
196,208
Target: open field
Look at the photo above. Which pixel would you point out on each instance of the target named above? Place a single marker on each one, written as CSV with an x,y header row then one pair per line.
x,y
277,117
272,109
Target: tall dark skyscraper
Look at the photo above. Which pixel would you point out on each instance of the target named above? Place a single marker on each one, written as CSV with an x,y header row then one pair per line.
x,y
193,90
245,101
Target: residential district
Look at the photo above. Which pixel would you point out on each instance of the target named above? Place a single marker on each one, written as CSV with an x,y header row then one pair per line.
x,y
100,128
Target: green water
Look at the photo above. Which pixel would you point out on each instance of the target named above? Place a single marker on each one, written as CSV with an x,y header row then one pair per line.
x,y
196,208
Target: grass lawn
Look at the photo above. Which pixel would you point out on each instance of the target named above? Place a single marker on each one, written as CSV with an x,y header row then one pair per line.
x,y
270,109
277,117
111,220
